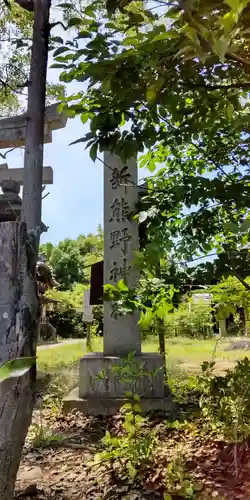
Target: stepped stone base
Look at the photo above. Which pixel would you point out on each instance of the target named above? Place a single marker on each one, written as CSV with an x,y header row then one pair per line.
x,y
99,378
110,406
105,380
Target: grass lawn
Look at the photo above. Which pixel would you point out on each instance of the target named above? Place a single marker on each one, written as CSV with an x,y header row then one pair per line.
x,y
182,354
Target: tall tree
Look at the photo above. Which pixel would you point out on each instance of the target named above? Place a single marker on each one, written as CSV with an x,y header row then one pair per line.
x,y
170,81
71,259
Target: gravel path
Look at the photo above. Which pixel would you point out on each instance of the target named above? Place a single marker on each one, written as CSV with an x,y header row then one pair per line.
x,y
58,344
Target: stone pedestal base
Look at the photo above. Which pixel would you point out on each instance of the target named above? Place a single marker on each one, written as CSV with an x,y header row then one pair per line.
x,y
109,406
99,376
103,387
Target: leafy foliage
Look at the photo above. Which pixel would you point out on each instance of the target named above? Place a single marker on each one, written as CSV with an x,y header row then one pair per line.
x,y
15,45
225,399
171,83
66,316
131,453
134,450
190,320
230,294
71,259
152,298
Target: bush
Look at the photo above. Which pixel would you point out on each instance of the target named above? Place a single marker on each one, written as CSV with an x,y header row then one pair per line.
x,y
225,400
67,316
98,317
67,322
190,320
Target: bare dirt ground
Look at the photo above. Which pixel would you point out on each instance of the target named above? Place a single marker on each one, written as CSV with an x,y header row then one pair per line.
x,y
62,471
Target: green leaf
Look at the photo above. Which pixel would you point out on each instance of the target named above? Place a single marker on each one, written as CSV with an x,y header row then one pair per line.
x,y
60,50
151,94
131,470
83,34
66,5
82,139
165,36
137,408
122,286
89,11
84,117
57,39
93,151
111,6
220,47
16,368
162,111
136,397
232,3
231,227
229,111
106,86
245,226
237,5
58,65
151,165
74,21
189,491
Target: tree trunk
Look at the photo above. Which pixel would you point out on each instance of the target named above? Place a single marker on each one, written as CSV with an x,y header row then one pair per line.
x,y
222,327
33,158
162,348
18,308
245,322
161,333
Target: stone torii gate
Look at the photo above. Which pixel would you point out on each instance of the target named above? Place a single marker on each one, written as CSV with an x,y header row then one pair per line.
x,y
13,129
12,135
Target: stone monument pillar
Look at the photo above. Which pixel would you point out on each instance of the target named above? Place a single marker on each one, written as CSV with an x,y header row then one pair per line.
x,y
103,395
121,240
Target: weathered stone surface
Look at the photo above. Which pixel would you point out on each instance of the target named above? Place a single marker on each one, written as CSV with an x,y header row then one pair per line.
x,y
101,390
150,384
17,175
17,338
10,201
121,240
13,129
109,406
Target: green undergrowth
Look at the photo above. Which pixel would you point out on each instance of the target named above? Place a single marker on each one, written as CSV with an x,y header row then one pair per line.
x,y
207,405
185,355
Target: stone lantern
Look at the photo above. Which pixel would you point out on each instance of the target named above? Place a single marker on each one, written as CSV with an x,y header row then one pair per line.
x,y
10,201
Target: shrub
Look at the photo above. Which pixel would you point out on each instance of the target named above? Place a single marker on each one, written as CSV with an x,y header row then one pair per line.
x,y
190,320
225,400
98,317
67,316
67,322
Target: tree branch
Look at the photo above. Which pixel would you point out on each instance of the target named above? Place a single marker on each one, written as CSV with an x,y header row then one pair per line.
x,y
215,86
238,58
242,281
26,4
